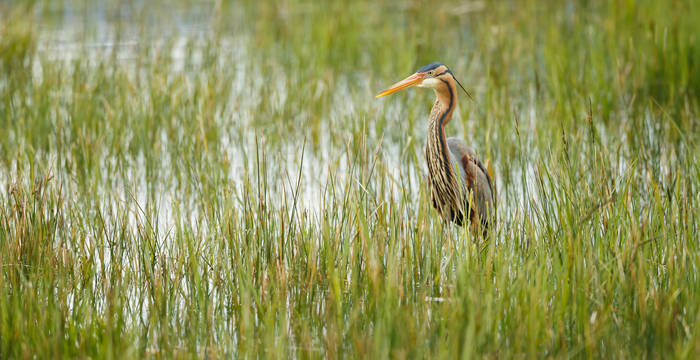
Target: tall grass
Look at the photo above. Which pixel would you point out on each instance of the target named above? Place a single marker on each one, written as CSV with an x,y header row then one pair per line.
x,y
217,180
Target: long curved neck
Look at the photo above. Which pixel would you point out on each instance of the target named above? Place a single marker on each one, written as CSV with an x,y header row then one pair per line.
x,y
440,115
437,153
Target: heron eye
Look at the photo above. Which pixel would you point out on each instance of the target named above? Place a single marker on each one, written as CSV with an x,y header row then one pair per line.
x,y
430,73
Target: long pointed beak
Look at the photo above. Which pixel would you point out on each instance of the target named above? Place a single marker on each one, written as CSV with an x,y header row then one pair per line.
x,y
412,80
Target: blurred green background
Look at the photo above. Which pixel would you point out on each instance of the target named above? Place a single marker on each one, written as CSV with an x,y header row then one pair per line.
x,y
210,178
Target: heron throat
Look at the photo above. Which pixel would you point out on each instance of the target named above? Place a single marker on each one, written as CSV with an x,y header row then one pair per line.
x,y
442,174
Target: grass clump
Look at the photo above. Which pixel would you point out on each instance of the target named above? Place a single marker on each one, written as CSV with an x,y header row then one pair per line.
x,y
183,180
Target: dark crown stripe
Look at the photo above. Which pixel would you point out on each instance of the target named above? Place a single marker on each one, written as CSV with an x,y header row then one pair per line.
x,y
429,67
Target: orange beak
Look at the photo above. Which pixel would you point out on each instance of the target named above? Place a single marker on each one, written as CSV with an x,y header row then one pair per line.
x,y
412,80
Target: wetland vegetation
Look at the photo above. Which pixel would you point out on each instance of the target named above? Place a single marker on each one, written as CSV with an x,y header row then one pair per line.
x,y
211,179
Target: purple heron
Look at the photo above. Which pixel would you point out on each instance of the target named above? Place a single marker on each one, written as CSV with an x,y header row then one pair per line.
x,y
460,185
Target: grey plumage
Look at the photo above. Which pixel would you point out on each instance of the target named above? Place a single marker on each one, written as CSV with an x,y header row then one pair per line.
x,y
479,186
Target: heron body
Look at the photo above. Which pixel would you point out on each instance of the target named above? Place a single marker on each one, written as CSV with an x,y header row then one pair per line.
x,y
460,185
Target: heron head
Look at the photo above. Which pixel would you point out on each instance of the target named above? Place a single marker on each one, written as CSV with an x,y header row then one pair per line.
x,y
431,76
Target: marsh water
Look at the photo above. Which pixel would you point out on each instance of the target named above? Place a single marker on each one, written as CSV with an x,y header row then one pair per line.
x,y
299,166
217,178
